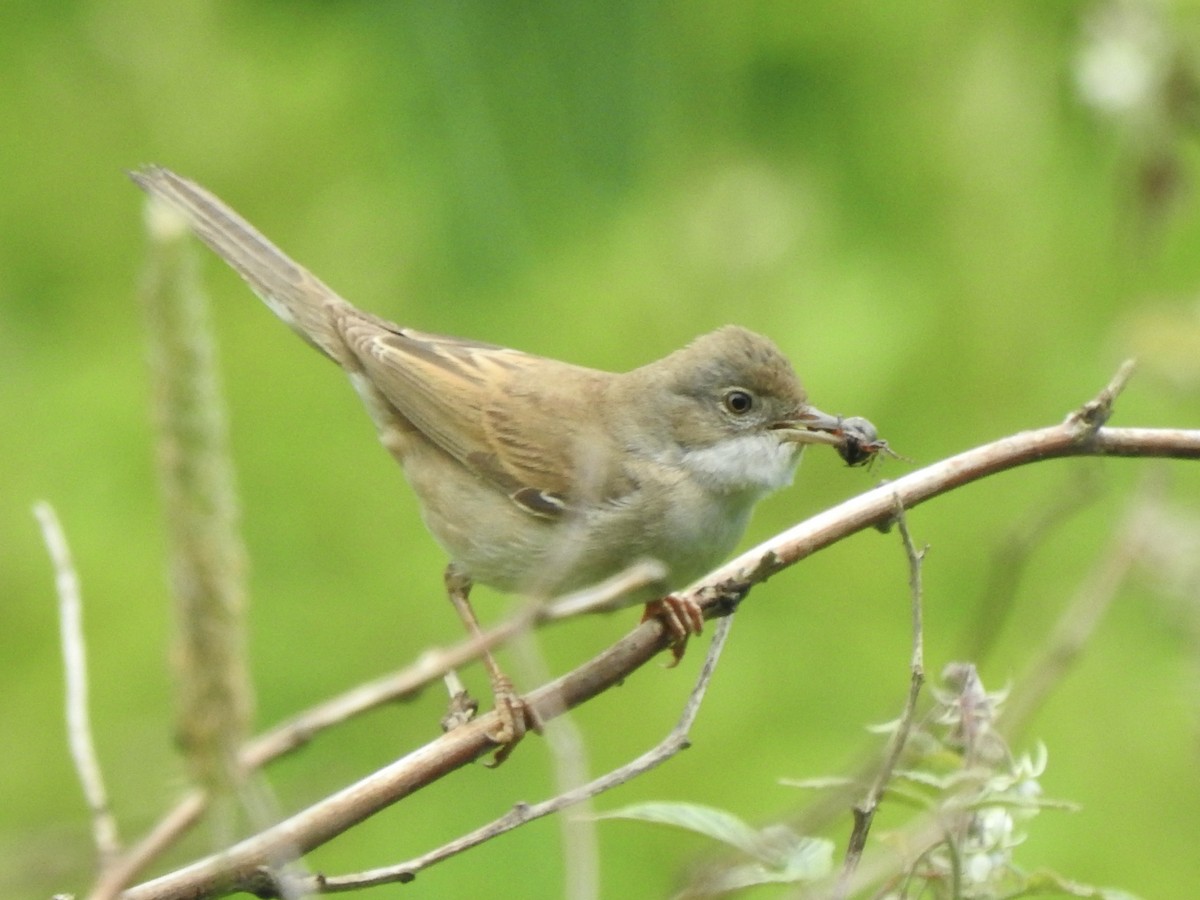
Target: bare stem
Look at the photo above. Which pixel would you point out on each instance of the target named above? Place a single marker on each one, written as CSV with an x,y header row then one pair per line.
x,y
79,725
719,592
670,745
864,811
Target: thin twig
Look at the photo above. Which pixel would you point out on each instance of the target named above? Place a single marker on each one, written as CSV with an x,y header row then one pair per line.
x,y
297,731
1065,643
874,507
864,811
610,595
169,829
79,726
437,662
670,745
1090,417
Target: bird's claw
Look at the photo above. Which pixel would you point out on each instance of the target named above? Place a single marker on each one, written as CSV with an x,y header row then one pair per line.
x,y
514,719
681,617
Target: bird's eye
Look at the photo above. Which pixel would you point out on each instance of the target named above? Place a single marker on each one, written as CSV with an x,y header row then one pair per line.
x,y
738,402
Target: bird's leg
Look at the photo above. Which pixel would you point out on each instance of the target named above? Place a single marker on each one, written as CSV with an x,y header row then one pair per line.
x,y
515,716
681,618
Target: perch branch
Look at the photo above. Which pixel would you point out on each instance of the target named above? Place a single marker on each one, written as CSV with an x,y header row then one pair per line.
x,y
297,731
719,593
674,742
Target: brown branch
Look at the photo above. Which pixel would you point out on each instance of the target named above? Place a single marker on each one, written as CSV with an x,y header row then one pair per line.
x,y
677,740
297,731
875,506
435,663
719,593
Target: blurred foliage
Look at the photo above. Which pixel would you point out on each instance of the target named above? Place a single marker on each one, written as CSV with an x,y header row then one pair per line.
x,y
976,800
956,218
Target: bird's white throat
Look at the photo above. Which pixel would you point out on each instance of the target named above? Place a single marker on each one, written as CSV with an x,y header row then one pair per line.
x,y
759,463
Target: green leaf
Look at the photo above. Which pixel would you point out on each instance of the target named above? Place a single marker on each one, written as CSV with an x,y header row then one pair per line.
x,y
780,854
706,820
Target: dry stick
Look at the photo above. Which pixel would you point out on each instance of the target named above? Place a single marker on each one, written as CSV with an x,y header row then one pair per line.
x,y
166,831
672,744
719,593
79,726
300,729
297,731
864,811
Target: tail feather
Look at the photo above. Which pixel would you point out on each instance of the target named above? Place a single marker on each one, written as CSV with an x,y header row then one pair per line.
x,y
292,292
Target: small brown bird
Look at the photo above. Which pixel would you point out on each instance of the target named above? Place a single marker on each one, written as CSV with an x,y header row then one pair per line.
x,y
537,476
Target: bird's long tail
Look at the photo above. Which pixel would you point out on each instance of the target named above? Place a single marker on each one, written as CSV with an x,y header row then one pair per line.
x,y
292,292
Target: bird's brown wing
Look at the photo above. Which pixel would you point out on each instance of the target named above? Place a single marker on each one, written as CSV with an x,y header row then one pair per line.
x,y
510,417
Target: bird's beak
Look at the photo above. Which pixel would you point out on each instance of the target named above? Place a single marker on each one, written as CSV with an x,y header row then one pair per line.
x,y
811,426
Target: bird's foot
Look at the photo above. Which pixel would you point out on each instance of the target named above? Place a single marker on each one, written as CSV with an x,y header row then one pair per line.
x,y
681,618
514,718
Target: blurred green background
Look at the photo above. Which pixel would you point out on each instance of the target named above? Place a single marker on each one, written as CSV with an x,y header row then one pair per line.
x,y
956,218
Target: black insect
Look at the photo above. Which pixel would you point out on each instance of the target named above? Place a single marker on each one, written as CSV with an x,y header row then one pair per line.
x,y
860,442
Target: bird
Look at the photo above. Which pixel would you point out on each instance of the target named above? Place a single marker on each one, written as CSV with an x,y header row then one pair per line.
x,y
538,476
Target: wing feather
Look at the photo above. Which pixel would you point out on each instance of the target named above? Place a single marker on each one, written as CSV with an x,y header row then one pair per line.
x,y
502,413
